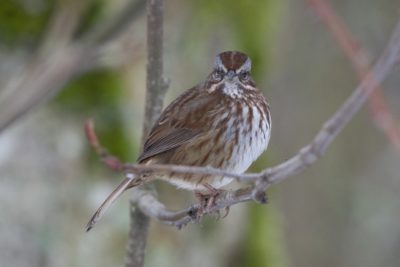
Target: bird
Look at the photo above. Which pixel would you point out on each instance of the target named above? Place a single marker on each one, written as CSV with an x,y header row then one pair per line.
x,y
223,122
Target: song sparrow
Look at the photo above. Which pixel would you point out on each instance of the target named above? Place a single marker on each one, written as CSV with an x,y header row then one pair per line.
x,y
224,122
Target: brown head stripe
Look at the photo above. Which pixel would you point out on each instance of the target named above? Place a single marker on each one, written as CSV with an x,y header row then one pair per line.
x,y
232,60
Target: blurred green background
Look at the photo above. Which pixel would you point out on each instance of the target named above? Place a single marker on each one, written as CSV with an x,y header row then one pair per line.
x,y
343,211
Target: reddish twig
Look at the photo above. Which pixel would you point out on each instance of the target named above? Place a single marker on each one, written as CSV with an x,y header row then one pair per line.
x,y
109,160
359,58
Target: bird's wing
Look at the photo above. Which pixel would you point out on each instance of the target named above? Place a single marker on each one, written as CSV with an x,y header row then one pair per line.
x,y
183,120
167,140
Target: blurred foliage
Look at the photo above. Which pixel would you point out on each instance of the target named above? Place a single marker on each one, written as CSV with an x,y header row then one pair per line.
x,y
251,23
98,95
21,25
263,238
24,23
93,13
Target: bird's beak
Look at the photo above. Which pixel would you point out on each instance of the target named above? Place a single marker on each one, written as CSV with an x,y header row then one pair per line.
x,y
231,74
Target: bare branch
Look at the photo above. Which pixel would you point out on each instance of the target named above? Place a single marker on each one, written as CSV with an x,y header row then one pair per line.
x,y
109,160
40,80
360,60
156,89
156,85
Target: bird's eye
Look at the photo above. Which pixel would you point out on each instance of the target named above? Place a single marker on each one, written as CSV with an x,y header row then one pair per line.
x,y
244,76
217,75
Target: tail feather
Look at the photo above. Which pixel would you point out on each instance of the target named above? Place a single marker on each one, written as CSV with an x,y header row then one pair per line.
x,y
128,182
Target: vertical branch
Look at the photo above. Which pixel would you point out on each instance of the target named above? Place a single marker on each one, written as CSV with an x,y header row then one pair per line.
x,y
156,85
156,89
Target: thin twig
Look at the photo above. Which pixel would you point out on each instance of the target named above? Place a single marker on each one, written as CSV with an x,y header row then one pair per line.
x,y
109,160
358,56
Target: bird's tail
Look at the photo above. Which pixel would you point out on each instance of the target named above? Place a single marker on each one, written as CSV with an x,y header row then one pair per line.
x,y
128,182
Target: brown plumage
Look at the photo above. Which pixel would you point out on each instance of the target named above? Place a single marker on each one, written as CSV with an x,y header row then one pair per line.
x,y
223,122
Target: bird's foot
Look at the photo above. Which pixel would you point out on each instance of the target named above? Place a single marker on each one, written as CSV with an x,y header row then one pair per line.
x,y
207,201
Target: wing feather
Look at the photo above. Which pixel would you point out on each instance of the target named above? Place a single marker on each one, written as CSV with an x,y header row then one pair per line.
x,y
179,123
173,139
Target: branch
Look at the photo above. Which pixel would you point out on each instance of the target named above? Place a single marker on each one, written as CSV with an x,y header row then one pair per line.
x,y
148,203
156,84
41,79
360,60
109,160
156,89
